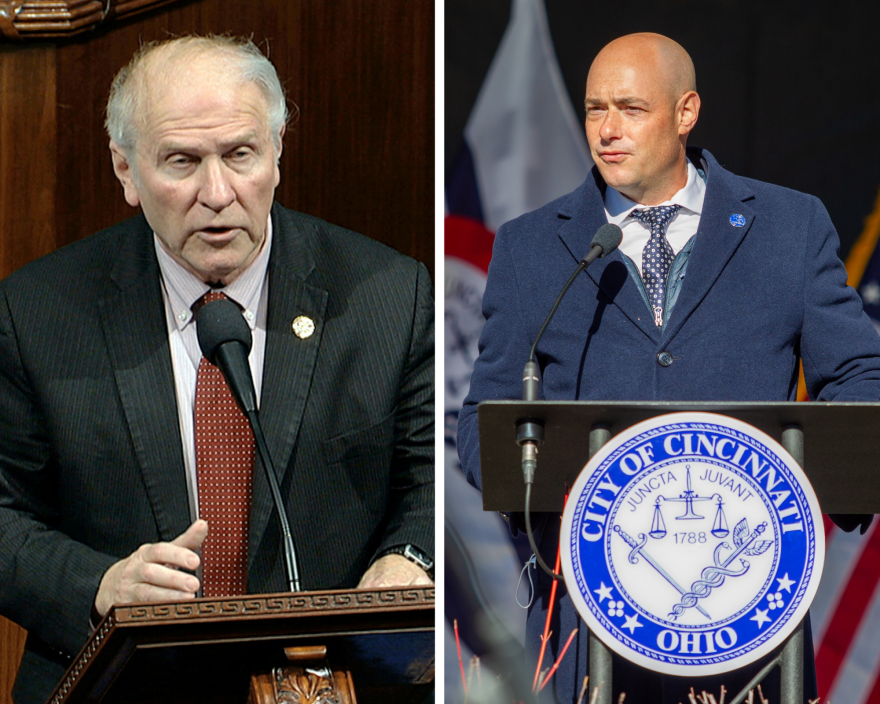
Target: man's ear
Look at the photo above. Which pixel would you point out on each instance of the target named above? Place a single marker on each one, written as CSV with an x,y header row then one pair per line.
x,y
124,171
688,112
281,139
278,154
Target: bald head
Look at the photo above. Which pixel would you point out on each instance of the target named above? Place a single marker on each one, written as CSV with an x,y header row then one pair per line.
x,y
660,58
641,105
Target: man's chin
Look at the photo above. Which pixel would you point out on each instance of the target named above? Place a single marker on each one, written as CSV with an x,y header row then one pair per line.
x,y
216,273
616,176
223,265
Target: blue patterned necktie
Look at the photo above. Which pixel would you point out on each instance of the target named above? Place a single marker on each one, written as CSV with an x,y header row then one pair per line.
x,y
657,256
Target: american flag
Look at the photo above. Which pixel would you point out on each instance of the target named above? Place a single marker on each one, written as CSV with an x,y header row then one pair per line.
x,y
846,610
846,618
523,147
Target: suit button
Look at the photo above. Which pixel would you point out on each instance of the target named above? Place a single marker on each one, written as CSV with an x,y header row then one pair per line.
x,y
664,358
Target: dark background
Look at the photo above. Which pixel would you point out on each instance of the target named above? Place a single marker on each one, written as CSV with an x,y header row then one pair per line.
x,y
360,154
790,90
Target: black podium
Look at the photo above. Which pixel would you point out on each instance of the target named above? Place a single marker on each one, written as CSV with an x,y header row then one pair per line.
x,y
837,444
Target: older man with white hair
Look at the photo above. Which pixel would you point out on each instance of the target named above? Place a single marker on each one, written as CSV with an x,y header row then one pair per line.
x,y
127,473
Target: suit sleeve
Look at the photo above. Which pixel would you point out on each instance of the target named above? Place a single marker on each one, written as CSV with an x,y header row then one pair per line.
x,y
840,348
504,349
410,514
47,580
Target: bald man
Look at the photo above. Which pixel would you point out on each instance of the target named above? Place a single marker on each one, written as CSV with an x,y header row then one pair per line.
x,y
107,416
738,282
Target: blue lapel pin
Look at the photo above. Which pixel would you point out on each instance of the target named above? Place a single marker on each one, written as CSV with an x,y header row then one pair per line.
x,y
737,220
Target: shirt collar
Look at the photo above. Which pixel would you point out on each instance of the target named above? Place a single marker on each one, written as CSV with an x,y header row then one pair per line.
x,y
183,288
619,207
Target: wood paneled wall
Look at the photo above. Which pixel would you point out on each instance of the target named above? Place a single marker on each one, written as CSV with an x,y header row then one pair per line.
x,y
361,153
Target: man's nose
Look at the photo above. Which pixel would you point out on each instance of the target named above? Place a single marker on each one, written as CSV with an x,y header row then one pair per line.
x,y
611,126
216,191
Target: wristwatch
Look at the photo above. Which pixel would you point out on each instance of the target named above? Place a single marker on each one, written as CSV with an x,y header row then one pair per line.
x,y
414,555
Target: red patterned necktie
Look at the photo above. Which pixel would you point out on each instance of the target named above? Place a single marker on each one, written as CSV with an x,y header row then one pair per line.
x,y
225,467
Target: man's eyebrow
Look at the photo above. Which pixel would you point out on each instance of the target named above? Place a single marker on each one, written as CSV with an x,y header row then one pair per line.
x,y
172,147
238,140
625,100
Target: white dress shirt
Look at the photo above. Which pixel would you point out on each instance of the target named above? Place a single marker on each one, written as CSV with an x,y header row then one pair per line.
x,y
618,210
180,290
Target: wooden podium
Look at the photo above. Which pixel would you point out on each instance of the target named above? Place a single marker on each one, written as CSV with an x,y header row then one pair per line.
x,y
308,647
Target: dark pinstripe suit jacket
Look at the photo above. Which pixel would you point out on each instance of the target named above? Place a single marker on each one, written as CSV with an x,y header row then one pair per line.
x,y
91,464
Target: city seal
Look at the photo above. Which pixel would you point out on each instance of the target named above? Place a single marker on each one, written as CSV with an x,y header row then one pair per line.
x,y
692,544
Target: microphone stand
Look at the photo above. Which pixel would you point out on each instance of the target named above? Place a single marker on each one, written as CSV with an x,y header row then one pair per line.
x,y
290,562
530,431
231,357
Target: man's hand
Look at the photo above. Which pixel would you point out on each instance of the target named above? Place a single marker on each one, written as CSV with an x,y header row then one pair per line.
x,y
393,571
153,572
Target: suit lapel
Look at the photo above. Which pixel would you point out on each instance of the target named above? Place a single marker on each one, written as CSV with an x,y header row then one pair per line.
x,y
717,240
289,360
584,213
133,318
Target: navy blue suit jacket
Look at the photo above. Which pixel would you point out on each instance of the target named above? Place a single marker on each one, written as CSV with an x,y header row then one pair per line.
x,y
755,299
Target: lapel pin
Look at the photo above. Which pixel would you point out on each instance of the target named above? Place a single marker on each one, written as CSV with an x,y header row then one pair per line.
x,y
737,220
303,327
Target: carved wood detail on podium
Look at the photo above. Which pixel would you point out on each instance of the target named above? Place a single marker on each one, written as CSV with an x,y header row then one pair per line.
x,y
87,654
42,19
308,681
259,605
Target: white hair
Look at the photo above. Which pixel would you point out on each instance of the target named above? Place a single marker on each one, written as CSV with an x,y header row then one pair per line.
x,y
248,61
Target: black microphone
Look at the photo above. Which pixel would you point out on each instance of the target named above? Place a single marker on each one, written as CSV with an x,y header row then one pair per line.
x,y
605,241
530,431
225,340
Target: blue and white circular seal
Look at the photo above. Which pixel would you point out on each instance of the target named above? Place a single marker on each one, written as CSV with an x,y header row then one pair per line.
x,y
692,544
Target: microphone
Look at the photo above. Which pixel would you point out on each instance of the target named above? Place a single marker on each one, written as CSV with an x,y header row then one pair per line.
x,y
530,432
605,241
225,340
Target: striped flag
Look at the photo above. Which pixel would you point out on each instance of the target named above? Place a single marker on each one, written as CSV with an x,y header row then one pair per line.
x,y
846,610
523,148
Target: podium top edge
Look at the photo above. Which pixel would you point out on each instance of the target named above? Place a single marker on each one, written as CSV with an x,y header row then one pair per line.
x,y
341,601
686,405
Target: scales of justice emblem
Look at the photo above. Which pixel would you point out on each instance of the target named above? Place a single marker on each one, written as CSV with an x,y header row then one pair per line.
x,y
692,544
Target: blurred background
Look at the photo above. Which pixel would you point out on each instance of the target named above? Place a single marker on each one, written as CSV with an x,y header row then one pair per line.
x,y
790,95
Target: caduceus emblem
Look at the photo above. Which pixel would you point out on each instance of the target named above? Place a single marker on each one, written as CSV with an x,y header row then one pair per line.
x,y
745,543
711,577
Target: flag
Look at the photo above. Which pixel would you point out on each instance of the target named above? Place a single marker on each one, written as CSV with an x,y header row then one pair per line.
x,y
523,147
846,611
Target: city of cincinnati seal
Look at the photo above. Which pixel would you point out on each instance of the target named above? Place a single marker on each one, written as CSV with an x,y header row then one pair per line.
x,y
692,544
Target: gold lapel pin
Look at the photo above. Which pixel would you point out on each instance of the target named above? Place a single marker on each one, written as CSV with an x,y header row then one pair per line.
x,y
303,327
